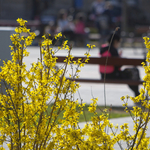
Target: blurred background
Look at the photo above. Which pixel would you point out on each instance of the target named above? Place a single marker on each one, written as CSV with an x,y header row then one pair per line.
x,y
82,21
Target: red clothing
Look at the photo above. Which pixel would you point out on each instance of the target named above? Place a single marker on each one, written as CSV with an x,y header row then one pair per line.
x,y
111,53
106,69
79,27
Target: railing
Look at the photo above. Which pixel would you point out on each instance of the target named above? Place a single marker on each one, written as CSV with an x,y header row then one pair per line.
x,y
111,61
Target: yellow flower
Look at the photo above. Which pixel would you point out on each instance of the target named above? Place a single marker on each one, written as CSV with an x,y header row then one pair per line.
x,y
90,46
21,21
36,97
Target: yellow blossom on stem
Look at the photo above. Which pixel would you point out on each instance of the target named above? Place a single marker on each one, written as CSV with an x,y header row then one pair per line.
x,y
34,99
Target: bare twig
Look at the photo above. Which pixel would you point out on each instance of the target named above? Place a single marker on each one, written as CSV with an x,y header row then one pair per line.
x,y
106,64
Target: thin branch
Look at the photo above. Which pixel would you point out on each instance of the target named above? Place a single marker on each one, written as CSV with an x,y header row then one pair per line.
x,y
106,64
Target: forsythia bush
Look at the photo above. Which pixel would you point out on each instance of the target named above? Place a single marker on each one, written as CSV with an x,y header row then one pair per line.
x,y
26,124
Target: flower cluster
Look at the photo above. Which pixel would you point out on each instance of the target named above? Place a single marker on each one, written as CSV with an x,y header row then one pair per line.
x,y
33,100
25,122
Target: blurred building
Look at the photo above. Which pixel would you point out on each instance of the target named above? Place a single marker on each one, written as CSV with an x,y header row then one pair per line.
x,y
137,11
12,9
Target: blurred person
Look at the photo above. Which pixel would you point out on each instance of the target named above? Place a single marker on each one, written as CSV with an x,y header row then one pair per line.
x,y
115,72
109,12
65,25
79,24
80,34
100,18
46,3
77,5
51,29
36,10
98,8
